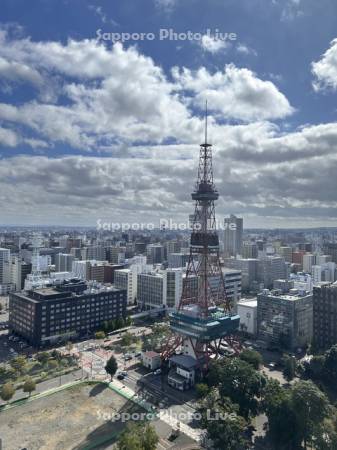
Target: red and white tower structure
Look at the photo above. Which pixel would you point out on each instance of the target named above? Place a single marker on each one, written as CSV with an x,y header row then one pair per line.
x,y
203,319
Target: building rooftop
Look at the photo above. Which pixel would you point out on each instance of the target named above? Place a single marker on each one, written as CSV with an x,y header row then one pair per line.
x,y
251,303
185,361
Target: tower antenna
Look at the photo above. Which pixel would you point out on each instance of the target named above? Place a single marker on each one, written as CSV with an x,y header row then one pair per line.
x,y
206,122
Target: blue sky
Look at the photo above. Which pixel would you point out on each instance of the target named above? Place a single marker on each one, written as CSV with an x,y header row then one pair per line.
x,y
91,129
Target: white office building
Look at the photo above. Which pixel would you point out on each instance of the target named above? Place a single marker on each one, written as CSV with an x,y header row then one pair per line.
x,y
247,310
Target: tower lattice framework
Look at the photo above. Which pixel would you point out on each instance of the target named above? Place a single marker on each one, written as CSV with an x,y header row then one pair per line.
x,y
203,320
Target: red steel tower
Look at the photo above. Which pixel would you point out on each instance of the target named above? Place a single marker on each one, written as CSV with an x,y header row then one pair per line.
x,y
203,320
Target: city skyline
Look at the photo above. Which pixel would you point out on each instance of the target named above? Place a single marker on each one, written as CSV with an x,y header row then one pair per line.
x,y
94,130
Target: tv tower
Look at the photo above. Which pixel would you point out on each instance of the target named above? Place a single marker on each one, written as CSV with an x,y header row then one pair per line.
x,y
203,319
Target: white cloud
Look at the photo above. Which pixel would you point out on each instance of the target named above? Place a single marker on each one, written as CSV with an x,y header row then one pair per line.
x,y
235,93
8,137
325,70
14,71
269,177
244,49
212,45
166,5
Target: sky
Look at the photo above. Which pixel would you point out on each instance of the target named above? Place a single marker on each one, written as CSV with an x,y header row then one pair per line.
x,y
102,110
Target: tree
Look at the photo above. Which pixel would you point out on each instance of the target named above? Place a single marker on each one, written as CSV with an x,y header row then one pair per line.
x,y
282,421
252,357
201,389
19,363
311,408
330,365
138,436
112,325
225,427
42,357
239,381
127,339
128,321
111,366
289,369
99,335
7,392
52,365
120,323
29,386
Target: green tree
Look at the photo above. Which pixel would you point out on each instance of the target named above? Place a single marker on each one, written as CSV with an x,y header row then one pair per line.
x,y
289,369
224,426
138,436
282,421
29,386
314,369
128,321
202,390
7,392
311,408
19,363
127,339
330,365
112,325
240,382
99,335
42,357
252,357
111,366
52,364
120,323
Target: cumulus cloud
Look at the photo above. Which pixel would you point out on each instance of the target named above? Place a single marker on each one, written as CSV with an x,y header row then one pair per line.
x,y
8,137
271,178
325,69
235,93
212,45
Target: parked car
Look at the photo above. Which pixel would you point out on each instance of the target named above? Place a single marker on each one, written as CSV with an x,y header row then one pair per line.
x,y
120,376
157,372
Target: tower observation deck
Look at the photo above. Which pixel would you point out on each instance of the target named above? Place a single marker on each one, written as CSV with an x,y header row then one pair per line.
x,y
203,319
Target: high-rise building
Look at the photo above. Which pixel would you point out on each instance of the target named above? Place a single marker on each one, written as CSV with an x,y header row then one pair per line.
x,y
325,315
116,255
5,274
322,259
271,268
151,290
331,249
286,253
81,269
96,252
248,269
233,235
178,259
63,262
249,250
155,253
54,314
127,279
309,260
285,320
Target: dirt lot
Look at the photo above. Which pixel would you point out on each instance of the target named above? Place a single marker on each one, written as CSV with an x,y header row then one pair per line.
x,y
73,419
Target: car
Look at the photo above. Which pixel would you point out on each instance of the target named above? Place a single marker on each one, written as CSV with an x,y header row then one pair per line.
x,y
157,372
120,376
138,354
272,365
124,373
127,357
